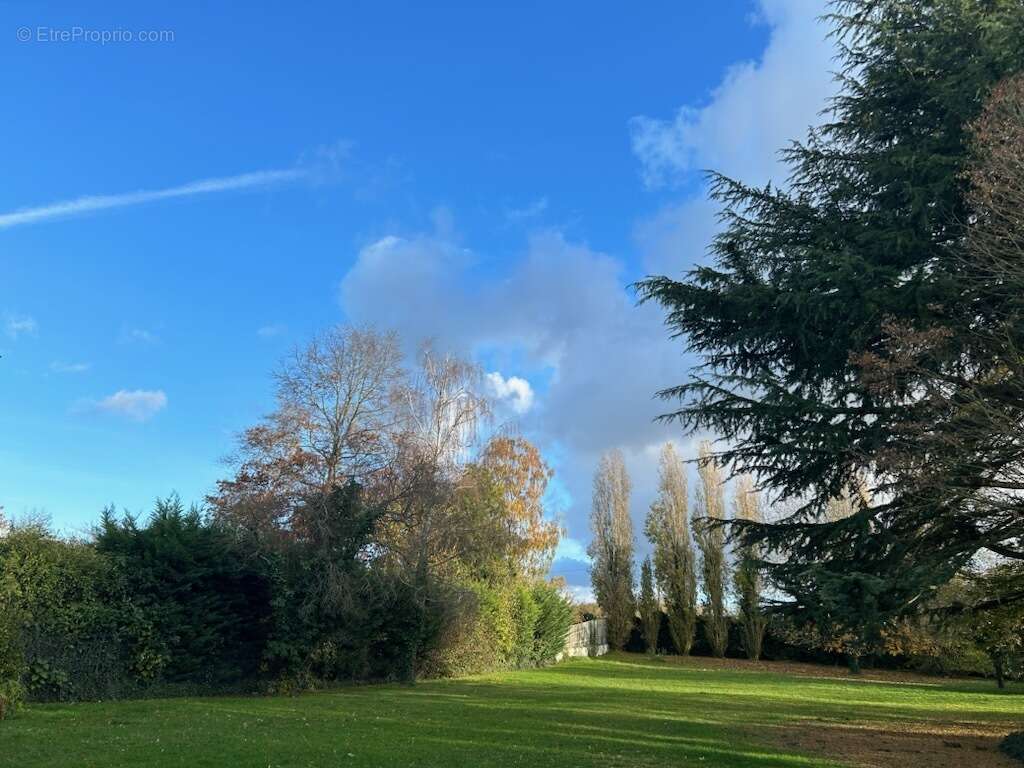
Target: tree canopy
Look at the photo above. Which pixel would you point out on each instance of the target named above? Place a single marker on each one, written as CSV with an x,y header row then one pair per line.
x,y
870,233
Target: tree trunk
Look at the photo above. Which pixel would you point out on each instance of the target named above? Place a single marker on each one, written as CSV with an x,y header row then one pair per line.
x,y
997,665
853,662
419,595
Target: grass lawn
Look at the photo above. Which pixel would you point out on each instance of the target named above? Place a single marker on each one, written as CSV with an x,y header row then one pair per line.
x,y
616,711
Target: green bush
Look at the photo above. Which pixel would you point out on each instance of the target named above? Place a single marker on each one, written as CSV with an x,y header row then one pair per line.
x,y
200,600
509,625
62,599
554,617
469,644
525,612
12,657
333,616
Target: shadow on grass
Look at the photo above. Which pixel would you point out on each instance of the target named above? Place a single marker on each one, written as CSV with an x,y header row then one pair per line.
x,y
608,712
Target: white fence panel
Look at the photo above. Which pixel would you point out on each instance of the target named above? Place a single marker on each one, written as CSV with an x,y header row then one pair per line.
x,y
587,639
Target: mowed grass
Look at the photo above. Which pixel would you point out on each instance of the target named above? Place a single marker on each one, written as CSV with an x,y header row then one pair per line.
x,y
616,711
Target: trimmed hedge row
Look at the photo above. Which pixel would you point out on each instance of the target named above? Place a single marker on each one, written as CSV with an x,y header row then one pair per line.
x,y
182,605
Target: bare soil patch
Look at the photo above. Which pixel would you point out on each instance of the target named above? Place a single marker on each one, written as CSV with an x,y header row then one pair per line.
x,y
882,745
867,744
803,669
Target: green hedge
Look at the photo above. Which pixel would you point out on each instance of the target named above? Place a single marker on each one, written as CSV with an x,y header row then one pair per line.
x,y
180,604
509,625
61,600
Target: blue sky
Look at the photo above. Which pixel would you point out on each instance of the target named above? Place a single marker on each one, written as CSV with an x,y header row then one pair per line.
x,y
177,213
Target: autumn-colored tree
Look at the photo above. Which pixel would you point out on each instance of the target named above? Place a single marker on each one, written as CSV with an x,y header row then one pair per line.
x,y
611,549
440,408
523,475
675,568
650,611
428,532
708,510
332,424
477,526
747,578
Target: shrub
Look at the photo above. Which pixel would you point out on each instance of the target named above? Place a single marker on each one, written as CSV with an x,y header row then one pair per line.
x,y
61,599
12,659
554,617
525,613
200,602
503,626
183,604
470,644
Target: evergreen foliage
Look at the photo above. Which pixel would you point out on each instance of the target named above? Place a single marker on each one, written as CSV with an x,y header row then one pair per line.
x,y
650,611
203,599
184,603
870,231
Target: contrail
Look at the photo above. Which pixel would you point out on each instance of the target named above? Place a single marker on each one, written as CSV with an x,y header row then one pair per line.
x,y
101,202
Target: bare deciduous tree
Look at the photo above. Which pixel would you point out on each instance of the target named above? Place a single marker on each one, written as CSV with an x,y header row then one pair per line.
x,y
668,529
423,533
440,410
611,549
332,423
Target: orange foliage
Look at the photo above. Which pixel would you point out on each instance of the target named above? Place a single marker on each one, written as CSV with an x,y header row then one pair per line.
x,y
523,475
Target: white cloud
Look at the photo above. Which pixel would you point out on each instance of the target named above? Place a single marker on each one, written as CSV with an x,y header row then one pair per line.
x,y
571,549
20,325
139,336
529,211
136,404
758,109
58,366
562,312
581,594
514,390
269,331
91,203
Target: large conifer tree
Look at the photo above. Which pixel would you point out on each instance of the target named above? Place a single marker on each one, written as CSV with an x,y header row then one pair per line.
x,y
869,232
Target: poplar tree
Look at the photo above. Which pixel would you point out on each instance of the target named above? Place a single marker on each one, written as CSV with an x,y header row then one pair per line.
x,y
650,611
611,548
708,511
668,529
747,580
